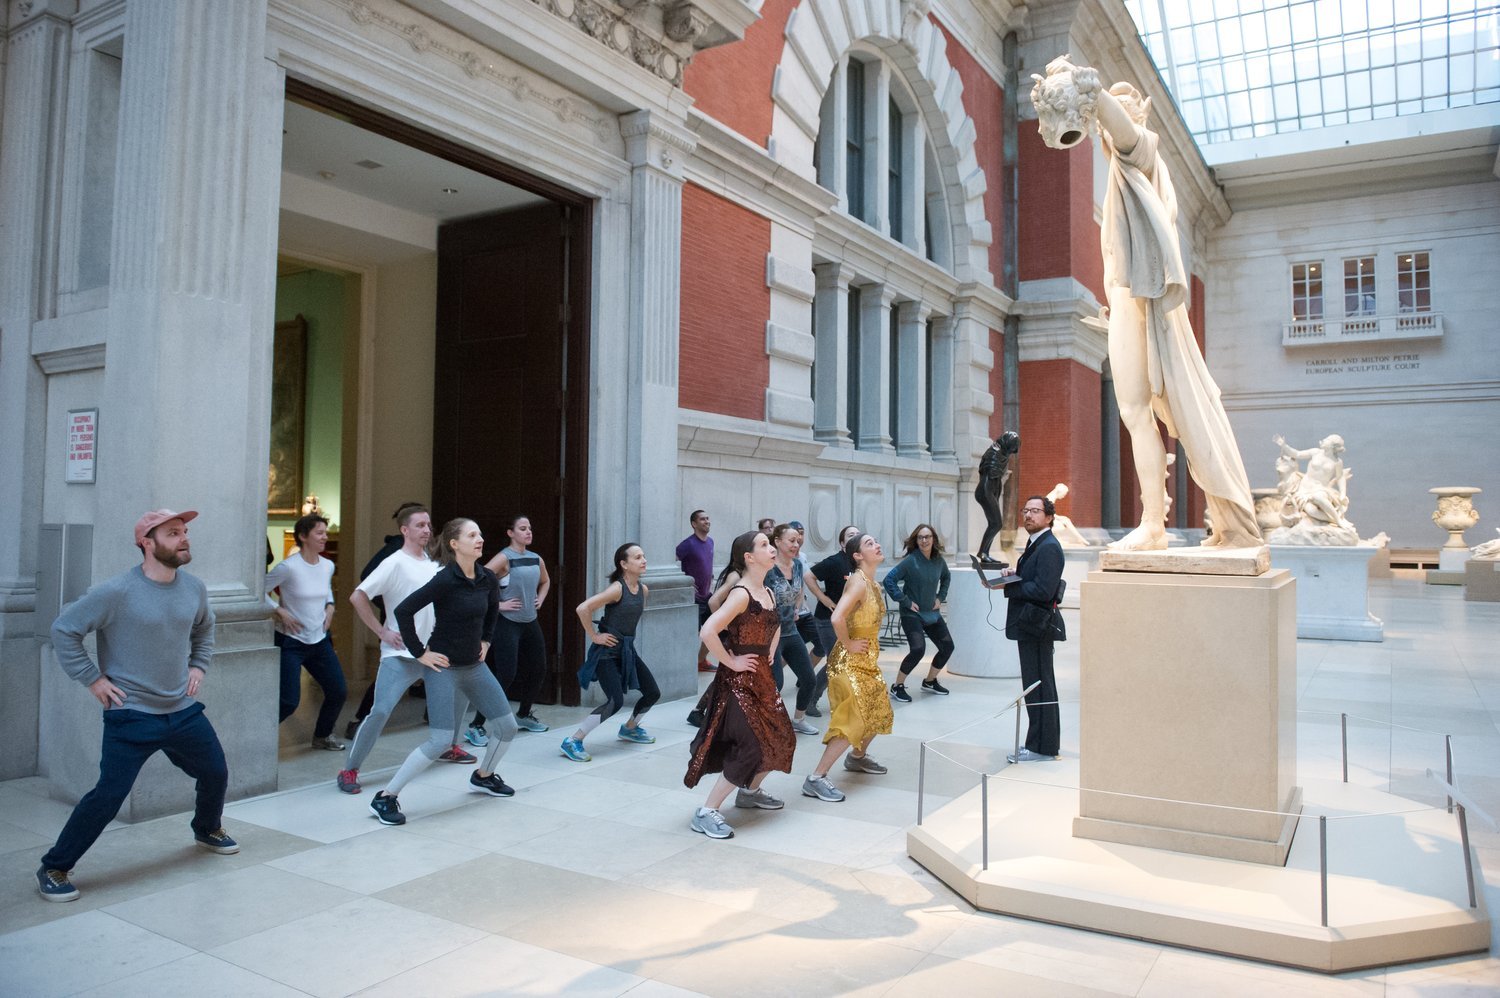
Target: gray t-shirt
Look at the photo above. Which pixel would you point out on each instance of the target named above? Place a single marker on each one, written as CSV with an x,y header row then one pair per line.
x,y
150,634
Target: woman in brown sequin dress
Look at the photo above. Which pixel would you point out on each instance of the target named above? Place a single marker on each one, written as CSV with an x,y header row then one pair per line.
x,y
860,706
745,732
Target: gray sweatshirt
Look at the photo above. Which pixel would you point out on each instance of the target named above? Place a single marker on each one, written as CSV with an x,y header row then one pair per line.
x,y
150,634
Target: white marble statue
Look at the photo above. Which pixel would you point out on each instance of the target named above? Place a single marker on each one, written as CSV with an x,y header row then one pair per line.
x,y
1489,550
1314,501
1062,526
1158,370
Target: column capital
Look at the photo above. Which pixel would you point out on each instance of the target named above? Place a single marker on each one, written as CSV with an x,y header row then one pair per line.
x,y
833,276
654,140
914,311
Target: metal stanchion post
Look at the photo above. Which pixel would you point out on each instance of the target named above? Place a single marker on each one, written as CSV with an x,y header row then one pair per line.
x,y
984,817
921,778
1015,749
1344,742
1448,760
1323,863
1463,838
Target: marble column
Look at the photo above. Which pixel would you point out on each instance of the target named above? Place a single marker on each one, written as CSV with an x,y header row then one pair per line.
x,y
877,125
874,367
657,148
831,358
833,164
942,388
34,89
185,403
912,377
914,195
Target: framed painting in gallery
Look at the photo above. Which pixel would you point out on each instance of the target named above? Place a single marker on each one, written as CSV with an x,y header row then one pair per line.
x,y
288,418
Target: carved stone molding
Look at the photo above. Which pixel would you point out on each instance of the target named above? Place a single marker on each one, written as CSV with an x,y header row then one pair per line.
x,y
660,36
476,64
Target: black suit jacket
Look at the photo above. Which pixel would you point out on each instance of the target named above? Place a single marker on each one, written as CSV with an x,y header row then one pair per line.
x,y
1040,569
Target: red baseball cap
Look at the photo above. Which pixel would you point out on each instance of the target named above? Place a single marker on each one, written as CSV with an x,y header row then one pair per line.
x,y
150,521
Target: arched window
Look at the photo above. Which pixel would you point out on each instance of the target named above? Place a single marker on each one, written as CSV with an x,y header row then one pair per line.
x,y
882,324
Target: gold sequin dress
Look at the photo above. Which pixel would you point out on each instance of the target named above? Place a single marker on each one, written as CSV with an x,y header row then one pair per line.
x,y
861,707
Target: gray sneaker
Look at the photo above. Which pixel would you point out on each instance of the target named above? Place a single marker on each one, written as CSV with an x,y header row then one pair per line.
x,y
328,743
758,798
819,787
711,823
863,764
529,722
804,727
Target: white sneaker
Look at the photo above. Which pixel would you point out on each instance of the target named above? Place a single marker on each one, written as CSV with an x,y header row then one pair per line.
x,y
758,798
804,727
821,788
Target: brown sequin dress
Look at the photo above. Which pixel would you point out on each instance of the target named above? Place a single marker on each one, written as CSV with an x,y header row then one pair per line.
x,y
745,726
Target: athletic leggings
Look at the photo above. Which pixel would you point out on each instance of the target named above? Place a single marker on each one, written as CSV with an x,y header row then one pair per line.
x,y
916,635
611,677
518,657
792,651
442,686
396,675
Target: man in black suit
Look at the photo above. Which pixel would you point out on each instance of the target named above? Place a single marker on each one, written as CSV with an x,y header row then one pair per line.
x,y
1040,568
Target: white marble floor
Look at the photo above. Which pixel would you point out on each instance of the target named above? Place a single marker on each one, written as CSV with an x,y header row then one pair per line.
x,y
588,881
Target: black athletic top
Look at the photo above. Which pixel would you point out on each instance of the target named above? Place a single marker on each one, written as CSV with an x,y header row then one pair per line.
x,y
465,609
621,616
832,572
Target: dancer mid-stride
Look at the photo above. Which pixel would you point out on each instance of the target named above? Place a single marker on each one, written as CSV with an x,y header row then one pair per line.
x,y
612,659
859,708
463,596
746,732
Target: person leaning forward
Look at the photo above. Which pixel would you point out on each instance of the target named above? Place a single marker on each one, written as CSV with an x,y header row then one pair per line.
x,y
156,639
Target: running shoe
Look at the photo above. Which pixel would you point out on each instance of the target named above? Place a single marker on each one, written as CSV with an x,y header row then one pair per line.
x,y
351,728
476,737
529,722
813,711
217,841
863,764
704,665
54,885
804,727
695,718
328,743
387,810
492,785
349,781
1026,755
746,797
458,755
898,692
819,787
933,686
636,734
573,749
711,823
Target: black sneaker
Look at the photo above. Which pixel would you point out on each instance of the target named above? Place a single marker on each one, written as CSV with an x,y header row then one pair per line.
x,y
351,728
492,785
386,809
217,841
54,885
933,686
898,692
695,718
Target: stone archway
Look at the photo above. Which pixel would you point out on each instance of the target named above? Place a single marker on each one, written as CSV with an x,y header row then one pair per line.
x,y
818,33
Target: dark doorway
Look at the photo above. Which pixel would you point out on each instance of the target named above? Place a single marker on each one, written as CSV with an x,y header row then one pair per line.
x,y
509,425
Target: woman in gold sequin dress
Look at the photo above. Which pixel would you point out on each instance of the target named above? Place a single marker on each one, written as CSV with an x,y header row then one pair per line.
x,y
861,708
746,732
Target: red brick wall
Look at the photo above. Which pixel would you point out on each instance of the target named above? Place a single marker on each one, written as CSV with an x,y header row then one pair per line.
x,y
984,100
1060,435
732,83
1057,232
723,365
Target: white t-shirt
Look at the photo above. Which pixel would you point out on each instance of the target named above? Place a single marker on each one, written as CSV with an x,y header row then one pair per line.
x,y
393,580
305,591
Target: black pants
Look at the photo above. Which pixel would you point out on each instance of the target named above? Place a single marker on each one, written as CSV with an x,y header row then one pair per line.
x,y
1044,722
792,651
611,678
917,634
518,658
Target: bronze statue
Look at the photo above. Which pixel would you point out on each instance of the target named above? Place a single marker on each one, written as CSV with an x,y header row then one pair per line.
x,y
994,472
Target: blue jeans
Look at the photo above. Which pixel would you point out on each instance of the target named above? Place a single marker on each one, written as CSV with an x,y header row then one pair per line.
x,y
130,738
322,663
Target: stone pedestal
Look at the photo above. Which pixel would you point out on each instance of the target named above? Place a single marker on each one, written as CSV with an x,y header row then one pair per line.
x,y
1333,590
1482,580
1078,563
976,619
1189,695
1455,513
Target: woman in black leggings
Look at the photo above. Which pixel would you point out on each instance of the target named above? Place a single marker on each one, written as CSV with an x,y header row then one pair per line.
x,y
518,653
612,659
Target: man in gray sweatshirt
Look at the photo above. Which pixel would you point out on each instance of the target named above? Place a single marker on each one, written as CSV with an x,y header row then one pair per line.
x,y
155,638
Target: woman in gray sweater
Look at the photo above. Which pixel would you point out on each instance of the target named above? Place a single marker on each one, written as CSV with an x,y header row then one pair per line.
x,y
919,586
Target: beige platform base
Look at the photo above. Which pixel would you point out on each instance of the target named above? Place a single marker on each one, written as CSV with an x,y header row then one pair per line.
x,y
1188,694
1396,888
1190,561
1482,580
1438,577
